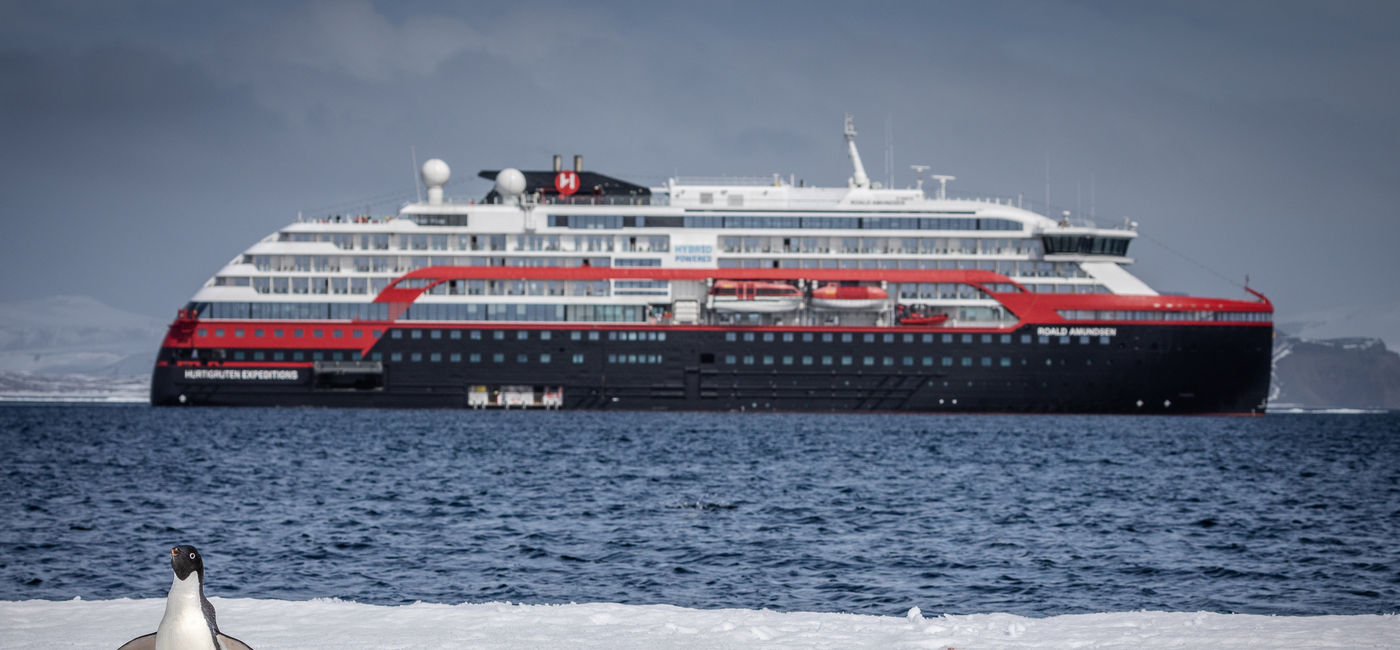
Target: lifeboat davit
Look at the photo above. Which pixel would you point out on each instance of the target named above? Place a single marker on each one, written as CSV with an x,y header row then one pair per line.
x,y
755,297
833,296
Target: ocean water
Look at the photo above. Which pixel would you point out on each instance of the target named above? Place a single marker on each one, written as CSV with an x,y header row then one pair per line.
x,y
1035,515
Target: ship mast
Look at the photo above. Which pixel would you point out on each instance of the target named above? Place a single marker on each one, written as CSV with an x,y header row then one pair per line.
x,y
859,179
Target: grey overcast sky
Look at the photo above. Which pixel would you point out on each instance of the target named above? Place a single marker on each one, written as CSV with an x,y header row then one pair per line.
x,y
144,144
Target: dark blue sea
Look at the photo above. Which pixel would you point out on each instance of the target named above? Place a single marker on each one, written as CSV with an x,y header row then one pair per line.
x,y
1032,515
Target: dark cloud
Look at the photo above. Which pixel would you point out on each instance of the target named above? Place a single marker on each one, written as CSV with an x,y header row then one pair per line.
x,y
156,140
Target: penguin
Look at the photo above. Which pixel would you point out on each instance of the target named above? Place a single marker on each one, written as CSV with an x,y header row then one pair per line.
x,y
188,623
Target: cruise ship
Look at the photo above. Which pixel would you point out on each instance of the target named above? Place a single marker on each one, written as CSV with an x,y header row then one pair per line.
x,y
570,289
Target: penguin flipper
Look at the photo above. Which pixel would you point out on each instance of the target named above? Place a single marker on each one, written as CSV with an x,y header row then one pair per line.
x,y
226,642
147,642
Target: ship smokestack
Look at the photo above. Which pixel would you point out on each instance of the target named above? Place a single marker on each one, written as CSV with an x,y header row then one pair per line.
x,y
558,163
578,164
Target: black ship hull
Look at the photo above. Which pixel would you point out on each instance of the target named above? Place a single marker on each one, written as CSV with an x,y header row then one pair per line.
x,y
1123,368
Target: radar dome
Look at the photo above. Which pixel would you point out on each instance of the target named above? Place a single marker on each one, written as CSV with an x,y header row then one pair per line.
x,y
435,172
510,182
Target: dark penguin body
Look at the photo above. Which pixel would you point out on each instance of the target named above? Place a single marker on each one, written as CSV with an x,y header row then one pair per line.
x,y
189,622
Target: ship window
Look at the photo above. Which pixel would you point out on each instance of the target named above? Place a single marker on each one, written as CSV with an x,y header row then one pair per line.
x,y
730,336
868,338
1064,340
475,335
474,357
417,356
787,337
826,360
1083,340
523,335
1006,362
748,359
827,337
397,356
498,358
417,334
456,334
575,335
455,357
928,361
522,358
1103,340
435,334
219,332
337,333
661,336
398,334
278,356
966,338
203,332
578,358
593,336
257,356
767,337
317,333
257,334
868,361
729,359
499,335
767,359
1025,338
373,333
357,333
847,337
297,356
787,360
806,360
1043,339
908,338
846,361
748,336
986,362
888,338
545,358
435,357
908,361
967,361
544,336
947,338
889,361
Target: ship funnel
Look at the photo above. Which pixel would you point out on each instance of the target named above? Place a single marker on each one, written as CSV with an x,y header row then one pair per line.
x,y
435,173
558,163
578,164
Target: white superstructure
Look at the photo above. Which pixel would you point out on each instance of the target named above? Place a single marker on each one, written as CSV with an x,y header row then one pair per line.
x,y
762,223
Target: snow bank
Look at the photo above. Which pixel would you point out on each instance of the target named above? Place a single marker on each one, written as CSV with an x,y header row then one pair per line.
x,y
340,625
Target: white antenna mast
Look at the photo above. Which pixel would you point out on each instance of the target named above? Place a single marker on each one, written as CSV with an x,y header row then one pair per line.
x,y
919,175
943,184
859,179
417,187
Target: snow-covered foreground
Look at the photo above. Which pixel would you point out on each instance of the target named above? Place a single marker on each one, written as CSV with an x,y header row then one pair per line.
x,y
340,625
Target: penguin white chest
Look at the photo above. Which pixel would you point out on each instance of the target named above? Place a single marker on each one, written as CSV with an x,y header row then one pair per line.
x,y
183,627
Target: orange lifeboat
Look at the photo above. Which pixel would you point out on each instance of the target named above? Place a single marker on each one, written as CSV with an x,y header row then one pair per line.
x,y
852,298
754,297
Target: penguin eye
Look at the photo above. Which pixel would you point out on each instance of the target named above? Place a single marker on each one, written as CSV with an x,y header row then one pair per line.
x,y
191,556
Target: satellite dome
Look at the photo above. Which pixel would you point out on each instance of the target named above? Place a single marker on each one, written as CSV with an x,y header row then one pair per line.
x,y
510,182
436,173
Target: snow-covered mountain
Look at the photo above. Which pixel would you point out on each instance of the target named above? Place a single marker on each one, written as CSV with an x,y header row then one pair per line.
x,y
1334,373
1372,321
75,347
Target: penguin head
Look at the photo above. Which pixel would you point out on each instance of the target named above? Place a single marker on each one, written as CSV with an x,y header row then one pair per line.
x,y
185,560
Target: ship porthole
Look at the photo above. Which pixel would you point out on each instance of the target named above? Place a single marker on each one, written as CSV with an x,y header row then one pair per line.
x,y
183,399
1166,403
1139,403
